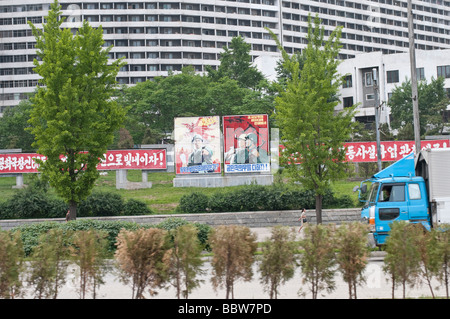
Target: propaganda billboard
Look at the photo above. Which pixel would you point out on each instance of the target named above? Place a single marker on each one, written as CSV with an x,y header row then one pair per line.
x,y
390,150
148,159
197,145
246,143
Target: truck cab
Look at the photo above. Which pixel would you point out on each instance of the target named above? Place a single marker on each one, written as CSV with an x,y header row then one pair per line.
x,y
395,199
395,194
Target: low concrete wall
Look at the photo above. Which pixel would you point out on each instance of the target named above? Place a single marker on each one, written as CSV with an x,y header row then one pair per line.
x,y
249,219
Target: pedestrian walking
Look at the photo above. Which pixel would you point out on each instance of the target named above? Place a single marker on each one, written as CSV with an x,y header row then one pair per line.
x,y
303,220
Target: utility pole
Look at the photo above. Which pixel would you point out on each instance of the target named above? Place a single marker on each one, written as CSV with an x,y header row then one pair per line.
x,y
415,97
376,90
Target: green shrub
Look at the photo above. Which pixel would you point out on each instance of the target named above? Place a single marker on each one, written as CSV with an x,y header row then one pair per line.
x,y
259,197
224,202
30,233
33,203
112,228
194,203
134,207
101,204
175,222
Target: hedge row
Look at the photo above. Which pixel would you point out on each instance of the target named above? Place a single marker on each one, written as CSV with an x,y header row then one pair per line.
x,y
35,203
259,197
30,233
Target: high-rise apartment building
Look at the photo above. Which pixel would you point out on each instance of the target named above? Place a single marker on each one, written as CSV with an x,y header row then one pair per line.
x,y
156,37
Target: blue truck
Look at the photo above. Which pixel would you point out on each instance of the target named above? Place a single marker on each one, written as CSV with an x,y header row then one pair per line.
x,y
415,189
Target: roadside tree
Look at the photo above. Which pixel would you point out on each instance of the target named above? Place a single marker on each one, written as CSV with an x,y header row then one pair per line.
x,y
186,260
278,261
143,257
318,260
73,117
352,254
233,248
305,112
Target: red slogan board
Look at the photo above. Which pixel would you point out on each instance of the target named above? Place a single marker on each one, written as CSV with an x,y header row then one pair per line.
x,y
123,159
391,151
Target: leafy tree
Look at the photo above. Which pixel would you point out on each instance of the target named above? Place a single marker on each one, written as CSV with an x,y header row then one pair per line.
x,y
89,251
13,124
353,253
154,104
143,257
48,264
443,248
278,259
284,75
73,115
233,248
402,259
318,260
224,97
11,265
305,114
235,63
186,260
429,255
433,102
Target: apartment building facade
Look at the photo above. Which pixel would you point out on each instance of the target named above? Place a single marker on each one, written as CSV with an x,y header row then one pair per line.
x,y
391,70
157,37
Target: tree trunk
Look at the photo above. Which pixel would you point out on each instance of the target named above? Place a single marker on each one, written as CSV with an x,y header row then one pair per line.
x,y
319,199
72,211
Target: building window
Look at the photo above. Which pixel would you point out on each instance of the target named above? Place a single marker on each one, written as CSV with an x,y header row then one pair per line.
x,y
347,101
420,74
347,83
444,71
392,76
368,79
370,97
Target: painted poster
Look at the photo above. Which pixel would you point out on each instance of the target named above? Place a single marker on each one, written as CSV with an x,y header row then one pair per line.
x,y
246,143
197,145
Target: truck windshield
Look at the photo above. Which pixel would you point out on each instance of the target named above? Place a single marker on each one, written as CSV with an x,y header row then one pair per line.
x,y
373,193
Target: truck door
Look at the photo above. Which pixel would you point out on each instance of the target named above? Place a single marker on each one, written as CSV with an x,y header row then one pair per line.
x,y
391,206
418,203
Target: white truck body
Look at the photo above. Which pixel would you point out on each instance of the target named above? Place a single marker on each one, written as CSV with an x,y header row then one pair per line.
x,y
434,166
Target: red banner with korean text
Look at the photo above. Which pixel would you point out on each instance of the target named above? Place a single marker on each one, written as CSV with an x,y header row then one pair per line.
x,y
147,159
391,151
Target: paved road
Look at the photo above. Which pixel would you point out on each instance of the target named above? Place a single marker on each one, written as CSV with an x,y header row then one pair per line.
x,y
376,286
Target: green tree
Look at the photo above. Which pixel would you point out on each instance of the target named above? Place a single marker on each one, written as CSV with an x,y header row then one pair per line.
x,y
143,257
443,249
186,260
402,260
13,124
236,64
11,265
429,255
89,253
318,260
49,263
305,114
433,102
233,247
353,253
73,115
278,259
154,104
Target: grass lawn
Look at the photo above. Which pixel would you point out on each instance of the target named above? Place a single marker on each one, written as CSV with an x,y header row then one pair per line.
x,y
162,197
